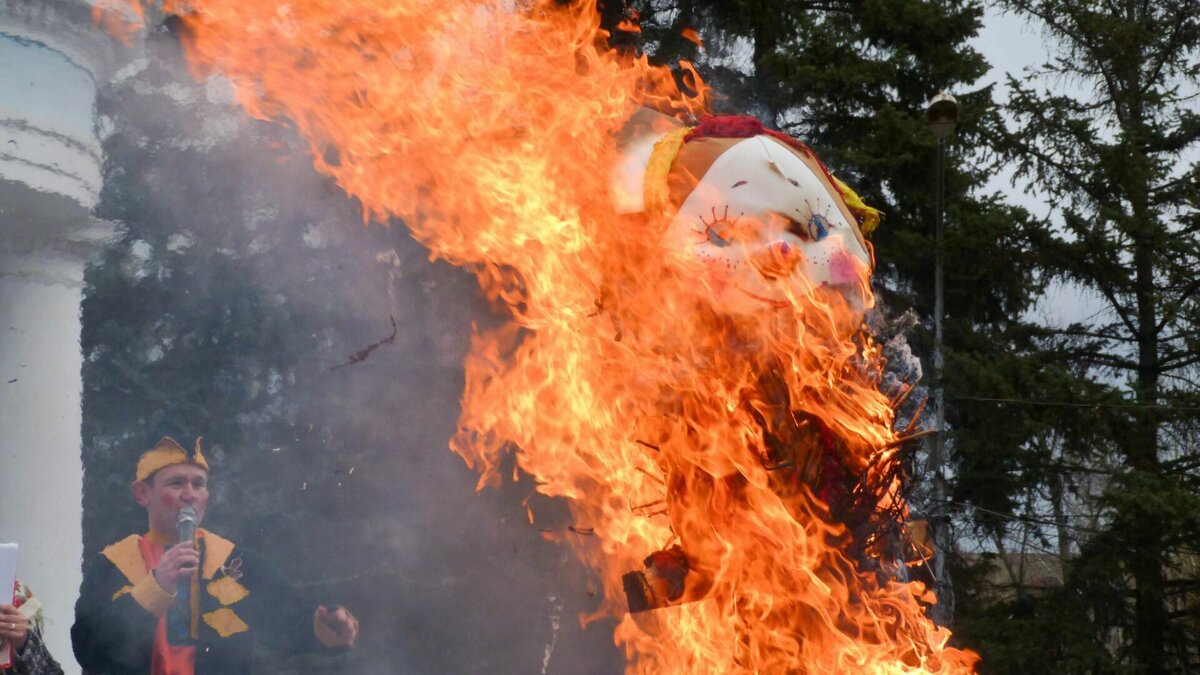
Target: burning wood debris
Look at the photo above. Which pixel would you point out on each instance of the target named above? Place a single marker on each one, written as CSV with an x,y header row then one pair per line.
x,y
685,363
362,354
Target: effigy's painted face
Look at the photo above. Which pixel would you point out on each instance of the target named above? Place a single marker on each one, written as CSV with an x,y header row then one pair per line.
x,y
763,225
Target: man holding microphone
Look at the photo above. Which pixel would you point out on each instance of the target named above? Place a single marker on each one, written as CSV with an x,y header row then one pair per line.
x,y
179,600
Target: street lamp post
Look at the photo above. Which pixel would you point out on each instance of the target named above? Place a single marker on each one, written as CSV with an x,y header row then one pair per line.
x,y
943,116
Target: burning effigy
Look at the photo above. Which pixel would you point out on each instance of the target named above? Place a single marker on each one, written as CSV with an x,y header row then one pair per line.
x,y
757,219
684,362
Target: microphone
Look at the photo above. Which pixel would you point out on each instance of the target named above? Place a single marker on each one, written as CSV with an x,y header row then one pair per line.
x,y
188,520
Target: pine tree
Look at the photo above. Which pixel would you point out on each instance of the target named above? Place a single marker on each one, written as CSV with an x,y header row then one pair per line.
x,y
1114,153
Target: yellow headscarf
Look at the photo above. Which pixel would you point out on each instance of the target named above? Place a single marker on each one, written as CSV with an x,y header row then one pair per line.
x,y
165,453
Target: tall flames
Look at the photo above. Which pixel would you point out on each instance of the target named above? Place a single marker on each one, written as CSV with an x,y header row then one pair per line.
x,y
488,127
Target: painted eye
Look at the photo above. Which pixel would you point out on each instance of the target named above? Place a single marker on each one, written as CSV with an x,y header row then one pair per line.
x,y
816,229
717,236
719,230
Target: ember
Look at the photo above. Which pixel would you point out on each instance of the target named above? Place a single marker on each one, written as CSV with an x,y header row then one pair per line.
x,y
692,379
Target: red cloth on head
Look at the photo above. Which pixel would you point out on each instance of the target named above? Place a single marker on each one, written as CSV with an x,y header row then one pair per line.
x,y
726,126
745,126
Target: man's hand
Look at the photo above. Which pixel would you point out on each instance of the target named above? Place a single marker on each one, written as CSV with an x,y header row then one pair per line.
x,y
179,563
14,627
341,622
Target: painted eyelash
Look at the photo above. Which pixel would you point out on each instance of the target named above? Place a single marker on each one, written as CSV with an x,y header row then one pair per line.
x,y
720,229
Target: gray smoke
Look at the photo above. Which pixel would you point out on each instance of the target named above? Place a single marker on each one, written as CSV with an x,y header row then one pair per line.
x,y
245,301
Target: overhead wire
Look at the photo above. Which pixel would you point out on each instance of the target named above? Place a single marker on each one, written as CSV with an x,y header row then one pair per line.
x,y
1077,404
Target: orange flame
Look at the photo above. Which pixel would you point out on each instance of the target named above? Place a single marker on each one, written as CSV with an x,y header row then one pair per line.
x,y
121,18
488,126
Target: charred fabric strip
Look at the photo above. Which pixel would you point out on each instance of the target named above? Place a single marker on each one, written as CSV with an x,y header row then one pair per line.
x,y
362,354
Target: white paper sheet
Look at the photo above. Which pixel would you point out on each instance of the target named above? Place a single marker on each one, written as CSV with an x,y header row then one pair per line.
x,y
8,577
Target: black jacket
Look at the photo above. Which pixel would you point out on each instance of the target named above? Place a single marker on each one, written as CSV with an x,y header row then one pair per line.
x,y
241,599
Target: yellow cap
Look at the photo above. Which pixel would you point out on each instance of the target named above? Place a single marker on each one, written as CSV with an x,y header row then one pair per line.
x,y
166,452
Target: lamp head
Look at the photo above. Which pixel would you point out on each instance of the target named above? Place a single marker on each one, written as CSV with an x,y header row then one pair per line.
x,y
943,115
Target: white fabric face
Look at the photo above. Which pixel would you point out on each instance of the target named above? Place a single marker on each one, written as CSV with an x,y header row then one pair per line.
x,y
762,227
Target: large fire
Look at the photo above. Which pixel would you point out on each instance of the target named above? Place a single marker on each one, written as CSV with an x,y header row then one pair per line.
x,y
620,384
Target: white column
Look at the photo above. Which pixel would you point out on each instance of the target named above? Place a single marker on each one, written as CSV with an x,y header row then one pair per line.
x,y
50,61
41,475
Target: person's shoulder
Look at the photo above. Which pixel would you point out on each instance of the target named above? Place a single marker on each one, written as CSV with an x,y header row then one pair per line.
x,y
120,545
229,559
217,552
213,539
123,557
123,551
219,546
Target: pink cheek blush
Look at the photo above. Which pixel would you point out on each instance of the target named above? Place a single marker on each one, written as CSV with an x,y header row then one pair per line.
x,y
843,268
